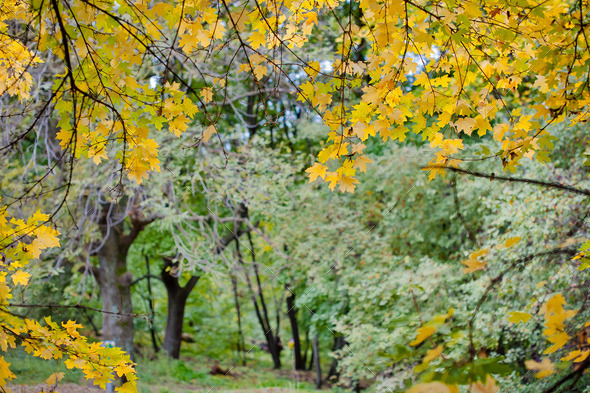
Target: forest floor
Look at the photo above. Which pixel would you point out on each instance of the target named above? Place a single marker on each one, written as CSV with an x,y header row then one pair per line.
x,y
75,388
162,375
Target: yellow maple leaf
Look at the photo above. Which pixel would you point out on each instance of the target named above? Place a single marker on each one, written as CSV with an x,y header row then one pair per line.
x,y
511,241
554,305
558,340
209,131
489,387
54,378
543,368
207,94
347,184
541,83
188,42
313,69
361,162
5,373
473,264
317,170
21,278
465,125
124,369
433,387
577,356
72,328
518,317
432,354
98,156
257,39
332,178
259,71
423,333
46,238
179,125
127,387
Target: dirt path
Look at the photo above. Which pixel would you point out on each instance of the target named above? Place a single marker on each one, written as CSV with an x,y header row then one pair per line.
x,y
61,388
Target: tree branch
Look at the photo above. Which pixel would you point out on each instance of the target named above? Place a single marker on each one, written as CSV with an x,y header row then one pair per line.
x,y
492,176
76,306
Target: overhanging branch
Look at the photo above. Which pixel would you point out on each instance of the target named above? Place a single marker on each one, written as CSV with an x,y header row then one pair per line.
x,y
492,176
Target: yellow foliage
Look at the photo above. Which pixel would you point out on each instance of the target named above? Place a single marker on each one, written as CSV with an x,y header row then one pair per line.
x,y
317,170
423,333
543,368
518,317
21,243
209,132
555,315
489,387
54,378
433,387
432,354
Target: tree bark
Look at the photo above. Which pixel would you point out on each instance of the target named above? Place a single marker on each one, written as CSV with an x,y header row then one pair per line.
x,y
292,314
114,282
339,343
241,344
306,350
151,302
111,274
316,361
272,339
177,297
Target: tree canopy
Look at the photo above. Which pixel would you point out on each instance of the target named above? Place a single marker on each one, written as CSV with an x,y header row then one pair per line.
x,y
225,104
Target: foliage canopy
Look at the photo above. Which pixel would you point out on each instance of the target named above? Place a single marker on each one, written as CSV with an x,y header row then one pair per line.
x,y
451,72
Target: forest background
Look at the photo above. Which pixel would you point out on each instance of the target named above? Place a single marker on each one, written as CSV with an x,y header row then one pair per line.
x,y
156,170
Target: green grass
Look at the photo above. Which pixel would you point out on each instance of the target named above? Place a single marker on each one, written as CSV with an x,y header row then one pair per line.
x,y
31,370
164,375
192,375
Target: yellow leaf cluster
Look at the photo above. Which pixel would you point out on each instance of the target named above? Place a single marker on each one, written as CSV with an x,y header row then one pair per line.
x,y
429,328
21,243
15,58
485,57
543,368
555,316
433,387
473,263
423,333
490,386
519,317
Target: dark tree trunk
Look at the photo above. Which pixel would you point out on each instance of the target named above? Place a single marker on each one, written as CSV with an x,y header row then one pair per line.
x,y
151,303
272,338
339,343
316,361
292,314
177,297
113,278
241,345
306,350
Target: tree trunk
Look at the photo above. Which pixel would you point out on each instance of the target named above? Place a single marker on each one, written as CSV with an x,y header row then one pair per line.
x,y
241,344
339,343
306,349
114,285
272,339
112,276
316,361
177,297
274,348
292,314
151,304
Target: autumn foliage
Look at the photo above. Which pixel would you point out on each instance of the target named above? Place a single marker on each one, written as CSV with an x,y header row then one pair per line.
x,y
448,72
